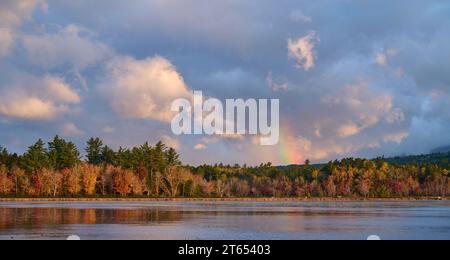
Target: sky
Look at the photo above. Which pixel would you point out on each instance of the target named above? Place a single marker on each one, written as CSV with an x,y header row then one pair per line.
x,y
354,78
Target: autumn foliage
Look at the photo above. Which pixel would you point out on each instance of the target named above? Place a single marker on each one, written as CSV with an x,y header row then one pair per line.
x,y
57,170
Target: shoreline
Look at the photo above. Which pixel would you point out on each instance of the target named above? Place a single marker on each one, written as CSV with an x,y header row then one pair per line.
x,y
223,199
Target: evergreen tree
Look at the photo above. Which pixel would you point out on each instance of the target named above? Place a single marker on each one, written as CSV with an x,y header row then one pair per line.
x,y
124,158
156,165
172,158
94,151
158,159
137,159
108,156
36,158
5,158
62,154
146,151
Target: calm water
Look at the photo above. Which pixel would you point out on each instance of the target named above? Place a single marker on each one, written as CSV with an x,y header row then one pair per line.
x,y
226,220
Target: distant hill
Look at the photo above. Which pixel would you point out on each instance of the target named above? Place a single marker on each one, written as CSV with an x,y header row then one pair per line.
x,y
444,149
442,159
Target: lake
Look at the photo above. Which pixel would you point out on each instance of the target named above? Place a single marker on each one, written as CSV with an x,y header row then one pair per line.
x,y
225,220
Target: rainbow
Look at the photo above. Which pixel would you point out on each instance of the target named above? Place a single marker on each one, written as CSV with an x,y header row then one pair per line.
x,y
289,154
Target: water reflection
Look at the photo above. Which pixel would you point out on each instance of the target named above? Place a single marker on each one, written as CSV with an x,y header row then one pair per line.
x,y
12,218
226,220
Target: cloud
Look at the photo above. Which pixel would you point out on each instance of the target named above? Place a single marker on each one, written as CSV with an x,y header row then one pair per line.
x,y
396,137
396,116
71,130
29,108
33,98
226,49
365,108
171,142
381,59
143,89
6,41
200,147
350,119
24,95
302,50
108,130
58,90
298,16
13,12
276,86
73,45
348,130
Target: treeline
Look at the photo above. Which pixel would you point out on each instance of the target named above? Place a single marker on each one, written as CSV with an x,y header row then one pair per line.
x,y
56,169
440,159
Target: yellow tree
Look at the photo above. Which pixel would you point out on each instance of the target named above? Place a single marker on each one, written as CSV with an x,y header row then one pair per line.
x,y
123,182
105,180
72,180
6,183
364,185
172,180
90,174
137,186
51,182
330,187
21,181
413,186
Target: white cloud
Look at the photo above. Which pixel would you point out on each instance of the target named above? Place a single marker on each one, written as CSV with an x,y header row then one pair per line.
x,y
381,59
200,147
143,89
6,41
298,148
71,130
317,131
108,130
348,120
71,45
25,96
58,90
396,116
302,50
43,5
347,130
351,123
13,12
276,86
29,108
362,107
34,98
298,16
396,137
231,138
171,142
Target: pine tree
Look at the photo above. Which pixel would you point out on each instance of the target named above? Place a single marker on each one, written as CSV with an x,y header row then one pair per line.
x,y
63,154
94,151
109,156
147,155
4,157
159,161
35,159
172,158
